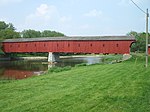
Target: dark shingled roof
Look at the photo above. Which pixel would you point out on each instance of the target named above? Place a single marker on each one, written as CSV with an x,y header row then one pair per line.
x,y
71,38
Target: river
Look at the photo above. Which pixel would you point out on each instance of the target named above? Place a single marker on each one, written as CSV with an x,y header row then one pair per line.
x,y
23,69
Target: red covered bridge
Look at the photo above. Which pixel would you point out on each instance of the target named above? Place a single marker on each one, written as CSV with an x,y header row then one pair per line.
x,y
89,44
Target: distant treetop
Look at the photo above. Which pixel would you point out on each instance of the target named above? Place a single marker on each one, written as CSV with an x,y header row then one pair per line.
x,y
46,33
7,31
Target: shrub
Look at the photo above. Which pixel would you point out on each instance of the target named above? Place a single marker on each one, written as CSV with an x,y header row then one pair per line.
x,y
59,69
82,64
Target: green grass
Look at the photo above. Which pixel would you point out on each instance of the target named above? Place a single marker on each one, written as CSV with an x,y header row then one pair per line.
x,y
121,87
58,69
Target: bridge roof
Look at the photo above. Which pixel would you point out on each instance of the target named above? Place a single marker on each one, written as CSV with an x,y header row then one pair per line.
x,y
71,38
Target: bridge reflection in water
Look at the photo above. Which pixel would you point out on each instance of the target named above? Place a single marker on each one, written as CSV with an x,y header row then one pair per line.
x,y
17,74
20,69
25,69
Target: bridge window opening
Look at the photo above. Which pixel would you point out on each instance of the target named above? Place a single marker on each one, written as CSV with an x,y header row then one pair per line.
x,y
10,45
26,45
57,45
117,45
68,45
44,45
91,45
103,45
35,45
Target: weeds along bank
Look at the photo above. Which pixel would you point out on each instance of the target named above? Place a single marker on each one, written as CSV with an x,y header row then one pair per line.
x,y
123,87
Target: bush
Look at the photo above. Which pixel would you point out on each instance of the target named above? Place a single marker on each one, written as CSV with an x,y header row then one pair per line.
x,y
82,64
139,45
59,69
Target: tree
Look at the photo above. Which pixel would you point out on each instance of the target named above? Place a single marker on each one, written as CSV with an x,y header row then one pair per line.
x,y
9,34
7,31
140,43
30,33
11,27
48,33
3,25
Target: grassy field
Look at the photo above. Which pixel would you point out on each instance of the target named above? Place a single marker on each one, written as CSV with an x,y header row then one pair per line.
x,y
121,87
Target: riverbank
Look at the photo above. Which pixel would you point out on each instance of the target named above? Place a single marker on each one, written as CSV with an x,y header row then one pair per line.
x,y
45,58
121,87
62,57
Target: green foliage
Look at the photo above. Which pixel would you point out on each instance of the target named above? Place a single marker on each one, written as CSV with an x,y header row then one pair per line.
x,y
9,34
11,26
7,31
35,34
110,58
3,25
30,33
59,69
79,65
48,33
140,44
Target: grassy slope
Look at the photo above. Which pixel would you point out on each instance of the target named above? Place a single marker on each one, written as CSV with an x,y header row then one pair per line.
x,y
122,87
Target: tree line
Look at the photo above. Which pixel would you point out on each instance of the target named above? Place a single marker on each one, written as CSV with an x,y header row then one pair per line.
x,y
8,31
46,33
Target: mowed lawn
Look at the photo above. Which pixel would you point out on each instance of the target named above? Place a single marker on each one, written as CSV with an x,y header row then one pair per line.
x,y
120,87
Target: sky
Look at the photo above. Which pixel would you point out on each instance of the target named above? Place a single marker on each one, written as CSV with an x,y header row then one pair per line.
x,y
76,17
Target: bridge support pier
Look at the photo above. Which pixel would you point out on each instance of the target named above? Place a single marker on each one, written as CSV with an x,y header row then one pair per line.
x,y
53,57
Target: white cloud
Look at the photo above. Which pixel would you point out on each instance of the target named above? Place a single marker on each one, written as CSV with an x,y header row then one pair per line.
x,y
43,16
93,13
47,17
44,9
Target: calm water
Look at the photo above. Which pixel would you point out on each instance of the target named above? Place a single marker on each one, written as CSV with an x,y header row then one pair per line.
x,y
24,69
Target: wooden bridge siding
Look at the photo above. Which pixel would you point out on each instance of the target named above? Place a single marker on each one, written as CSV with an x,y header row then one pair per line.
x,y
6,47
86,46
149,50
126,47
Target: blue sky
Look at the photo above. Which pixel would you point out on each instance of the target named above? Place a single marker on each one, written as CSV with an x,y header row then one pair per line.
x,y
76,17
